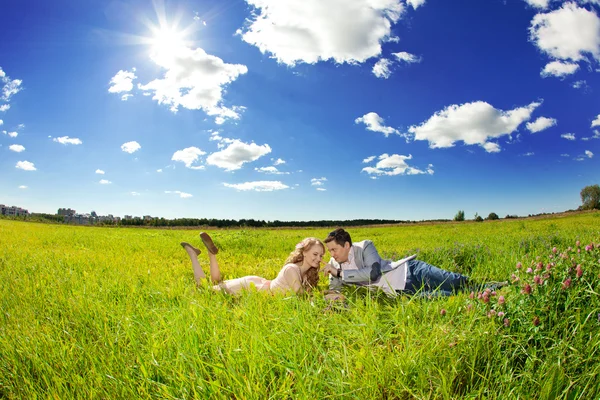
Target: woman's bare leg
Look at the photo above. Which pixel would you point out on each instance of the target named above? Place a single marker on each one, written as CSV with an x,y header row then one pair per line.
x,y
215,272
193,253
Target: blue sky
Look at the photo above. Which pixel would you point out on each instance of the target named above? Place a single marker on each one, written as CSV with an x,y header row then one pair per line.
x,y
299,109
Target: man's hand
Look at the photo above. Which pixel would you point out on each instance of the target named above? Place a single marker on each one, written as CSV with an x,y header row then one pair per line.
x,y
329,269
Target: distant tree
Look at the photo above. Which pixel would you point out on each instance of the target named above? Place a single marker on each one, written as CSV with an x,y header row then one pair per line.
x,y
590,197
478,218
460,216
493,216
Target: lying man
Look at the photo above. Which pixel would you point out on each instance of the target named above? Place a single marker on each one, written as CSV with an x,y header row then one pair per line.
x,y
359,264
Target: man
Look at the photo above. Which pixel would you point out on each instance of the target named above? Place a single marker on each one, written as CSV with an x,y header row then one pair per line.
x,y
360,264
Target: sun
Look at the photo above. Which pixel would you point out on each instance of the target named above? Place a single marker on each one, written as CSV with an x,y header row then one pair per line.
x,y
166,39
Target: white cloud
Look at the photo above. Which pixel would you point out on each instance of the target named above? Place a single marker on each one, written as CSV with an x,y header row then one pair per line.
x,y
568,136
375,123
319,30
159,170
99,171
4,107
540,124
406,57
67,140
492,147
580,84
596,122
368,159
395,164
237,154
588,154
415,3
471,123
130,147
11,134
595,136
568,33
194,80
559,69
381,69
318,181
258,186
104,182
126,96
26,166
279,161
531,153
320,189
183,195
122,82
10,87
541,4
1,122
17,148
22,187
271,170
188,156
134,193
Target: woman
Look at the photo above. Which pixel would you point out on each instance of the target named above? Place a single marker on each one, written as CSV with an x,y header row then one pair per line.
x,y
300,272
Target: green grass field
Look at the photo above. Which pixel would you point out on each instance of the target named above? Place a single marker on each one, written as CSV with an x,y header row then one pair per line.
x,y
113,313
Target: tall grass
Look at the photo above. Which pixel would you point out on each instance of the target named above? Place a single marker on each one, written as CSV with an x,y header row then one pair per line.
x,y
114,313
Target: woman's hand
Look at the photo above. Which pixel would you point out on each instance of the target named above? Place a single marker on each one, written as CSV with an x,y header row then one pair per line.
x,y
329,269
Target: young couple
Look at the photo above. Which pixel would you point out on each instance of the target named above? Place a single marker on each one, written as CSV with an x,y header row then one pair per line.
x,y
353,264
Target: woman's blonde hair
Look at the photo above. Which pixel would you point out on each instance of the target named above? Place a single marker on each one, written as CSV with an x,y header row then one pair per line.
x,y
311,278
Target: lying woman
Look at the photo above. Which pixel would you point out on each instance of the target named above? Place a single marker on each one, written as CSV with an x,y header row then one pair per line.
x,y
300,272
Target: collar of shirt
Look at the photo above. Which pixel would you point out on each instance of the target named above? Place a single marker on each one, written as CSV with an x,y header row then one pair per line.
x,y
350,264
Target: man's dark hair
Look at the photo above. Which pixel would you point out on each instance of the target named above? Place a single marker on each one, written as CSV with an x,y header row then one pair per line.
x,y
340,236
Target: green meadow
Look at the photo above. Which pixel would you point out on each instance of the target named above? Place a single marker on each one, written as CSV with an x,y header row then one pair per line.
x,y
113,313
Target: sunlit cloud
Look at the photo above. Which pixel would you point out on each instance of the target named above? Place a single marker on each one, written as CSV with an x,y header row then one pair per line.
x,y
257,186
559,69
382,68
182,195
471,123
67,140
375,123
10,87
568,136
189,156
130,147
122,81
569,33
17,148
271,170
104,182
318,181
540,124
396,164
309,31
26,166
238,153
100,172
22,187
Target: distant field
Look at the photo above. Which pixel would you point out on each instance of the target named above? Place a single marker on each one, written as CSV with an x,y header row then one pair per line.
x,y
113,313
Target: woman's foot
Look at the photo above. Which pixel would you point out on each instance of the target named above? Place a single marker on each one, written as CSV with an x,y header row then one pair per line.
x,y
186,244
210,246
193,253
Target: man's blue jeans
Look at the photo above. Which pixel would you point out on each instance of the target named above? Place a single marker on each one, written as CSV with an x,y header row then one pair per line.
x,y
429,280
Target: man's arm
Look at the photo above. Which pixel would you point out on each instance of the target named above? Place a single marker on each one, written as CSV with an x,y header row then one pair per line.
x,y
371,270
